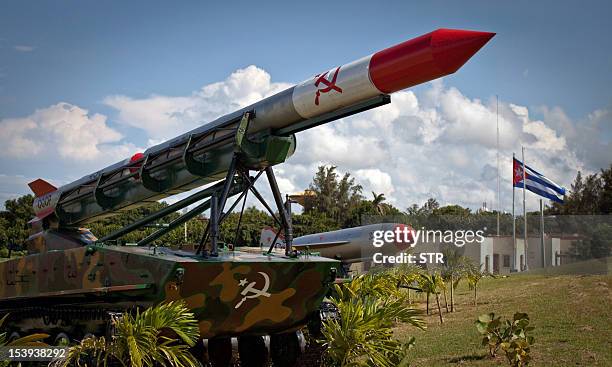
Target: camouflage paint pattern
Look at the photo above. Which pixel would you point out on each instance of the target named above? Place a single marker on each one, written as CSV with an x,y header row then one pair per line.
x,y
235,293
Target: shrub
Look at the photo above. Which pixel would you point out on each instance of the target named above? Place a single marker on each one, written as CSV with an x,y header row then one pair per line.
x,y
369,306
510,336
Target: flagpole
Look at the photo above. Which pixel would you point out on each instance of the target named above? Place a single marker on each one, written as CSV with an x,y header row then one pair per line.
x,y
498,186
542,233
513,220
525,210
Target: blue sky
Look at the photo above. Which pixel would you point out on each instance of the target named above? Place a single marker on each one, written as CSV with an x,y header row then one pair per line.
x,y
552,58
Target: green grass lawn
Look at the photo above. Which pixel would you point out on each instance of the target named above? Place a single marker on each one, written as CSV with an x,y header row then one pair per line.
x,y
572,315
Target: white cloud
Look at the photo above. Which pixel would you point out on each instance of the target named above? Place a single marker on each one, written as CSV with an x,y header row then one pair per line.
x,y
441,144
164,117
63,130
375,180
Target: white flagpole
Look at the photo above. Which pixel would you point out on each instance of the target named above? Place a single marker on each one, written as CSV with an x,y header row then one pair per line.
x,y
525,210
498,186
513,221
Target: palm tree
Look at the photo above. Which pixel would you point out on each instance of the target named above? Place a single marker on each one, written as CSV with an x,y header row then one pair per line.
x,y
432,284
474,274
378,203
454,269
160,335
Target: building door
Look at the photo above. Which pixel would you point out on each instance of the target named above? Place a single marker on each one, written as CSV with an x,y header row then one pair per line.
x,y
522,263
496,263
487,263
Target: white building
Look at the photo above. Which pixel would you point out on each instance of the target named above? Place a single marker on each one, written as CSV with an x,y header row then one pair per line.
x,y
496,254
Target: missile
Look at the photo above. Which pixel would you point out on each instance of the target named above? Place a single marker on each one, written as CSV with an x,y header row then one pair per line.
x,y
203,155
350,245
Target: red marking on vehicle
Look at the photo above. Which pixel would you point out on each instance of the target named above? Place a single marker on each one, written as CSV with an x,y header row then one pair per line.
x,y
135,164
330,85
41,187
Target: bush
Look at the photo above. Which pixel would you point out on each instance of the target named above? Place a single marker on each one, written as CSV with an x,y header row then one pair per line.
x,y
369,306
510,336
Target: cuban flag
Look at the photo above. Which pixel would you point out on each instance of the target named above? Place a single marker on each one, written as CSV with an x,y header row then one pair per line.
x,y
536,182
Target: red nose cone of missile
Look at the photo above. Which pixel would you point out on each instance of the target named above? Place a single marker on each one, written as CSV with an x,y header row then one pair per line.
x,y
424,58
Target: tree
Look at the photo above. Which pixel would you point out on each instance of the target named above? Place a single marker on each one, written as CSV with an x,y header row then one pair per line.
x,y
605,199
598,244
312,222
426,209
337,198
590,195
253,221
433,284
452,210
378,202
474,274
161,335
13,222
454,269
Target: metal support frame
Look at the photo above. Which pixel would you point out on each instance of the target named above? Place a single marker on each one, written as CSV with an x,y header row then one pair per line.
x,y
203,240
163,212
286,221
234,190
217,204
265,204
206,233
217,217
237,232
228,182
214,225
288,203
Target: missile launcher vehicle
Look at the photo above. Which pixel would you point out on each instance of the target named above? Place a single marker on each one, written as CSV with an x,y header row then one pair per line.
x,y
70,282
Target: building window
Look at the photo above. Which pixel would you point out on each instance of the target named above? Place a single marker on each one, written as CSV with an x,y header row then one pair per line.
x,y
506,261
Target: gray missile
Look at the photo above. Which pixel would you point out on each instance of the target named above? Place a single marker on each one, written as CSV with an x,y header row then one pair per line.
x,y
350,245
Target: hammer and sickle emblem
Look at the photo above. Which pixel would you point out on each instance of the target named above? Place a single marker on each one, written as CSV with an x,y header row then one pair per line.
x,y
254,292
330,85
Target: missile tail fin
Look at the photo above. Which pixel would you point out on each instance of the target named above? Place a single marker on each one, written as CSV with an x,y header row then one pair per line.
x,y
41,187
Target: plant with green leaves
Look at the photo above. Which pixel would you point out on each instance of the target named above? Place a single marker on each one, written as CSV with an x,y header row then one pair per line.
x,y
377,283
363,335
433,284
474,274
29,340
160,335
510,335
455,268
408,277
